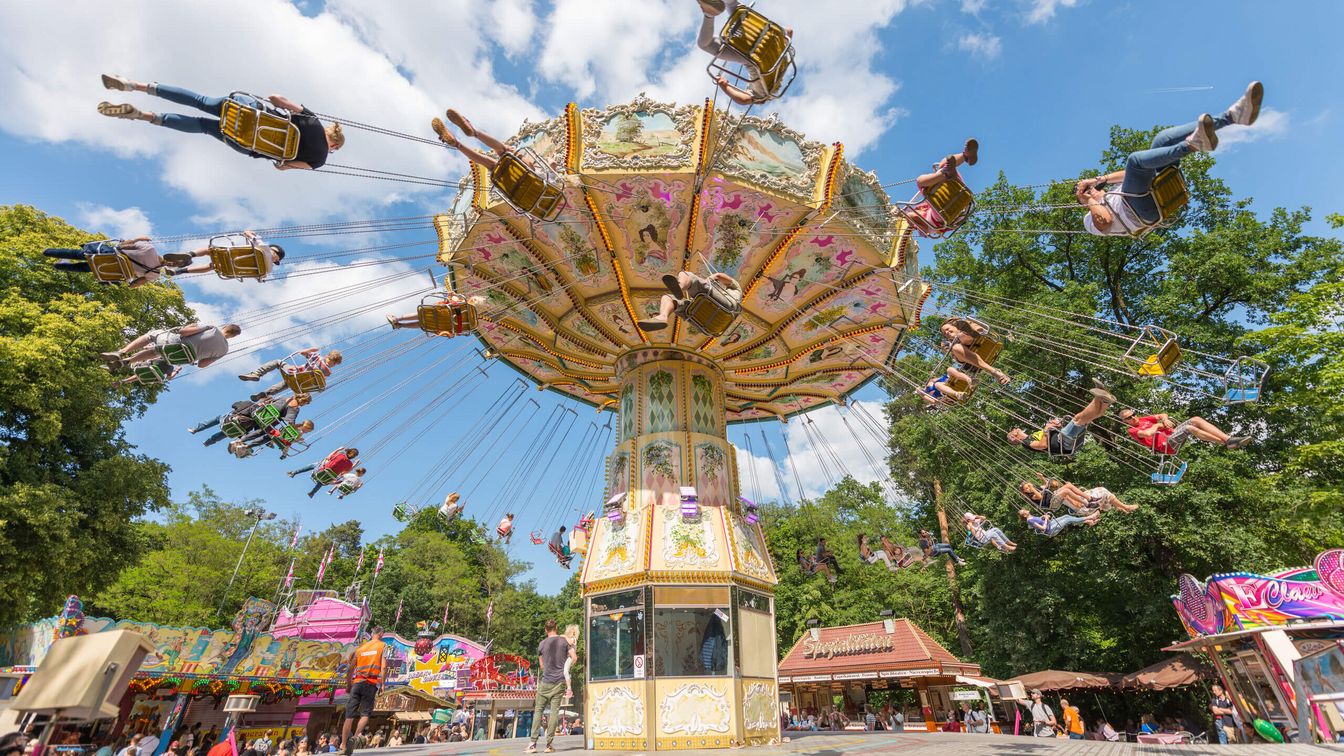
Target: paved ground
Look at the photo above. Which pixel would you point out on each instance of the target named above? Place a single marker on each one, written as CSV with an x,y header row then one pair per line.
x,y
911,744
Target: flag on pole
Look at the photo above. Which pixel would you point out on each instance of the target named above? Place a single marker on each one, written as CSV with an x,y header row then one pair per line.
x,y
445,613
377,568
289,578
295,540
326,560
360,564
397,618
490,611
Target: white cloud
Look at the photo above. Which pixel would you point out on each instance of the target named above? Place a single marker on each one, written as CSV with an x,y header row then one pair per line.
x,y
983,46
126,223
1271,124
1040,11
756,474
973,7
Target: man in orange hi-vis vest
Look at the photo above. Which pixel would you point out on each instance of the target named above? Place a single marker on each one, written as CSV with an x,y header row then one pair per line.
x,y
366,675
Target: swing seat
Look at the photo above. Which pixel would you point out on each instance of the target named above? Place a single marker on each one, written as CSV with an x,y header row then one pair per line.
x,y
109,265
712,311
403,511
526,189
750,511
951,201
1168,194
971,542
987,348
1163,352
288,437
504,532
324,475
150,374
956,384
560,556
452,316
239,260
1244,380
1169,473
259,131
177,354
233,427
266,414
535,537
346,489
763,42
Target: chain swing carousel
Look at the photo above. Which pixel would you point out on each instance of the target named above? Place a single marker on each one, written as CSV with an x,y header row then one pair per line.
x,y
677,580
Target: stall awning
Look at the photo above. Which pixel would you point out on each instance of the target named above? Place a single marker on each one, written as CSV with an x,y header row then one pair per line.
x,y
412,716
892,649
1057,679
979,682
1176,672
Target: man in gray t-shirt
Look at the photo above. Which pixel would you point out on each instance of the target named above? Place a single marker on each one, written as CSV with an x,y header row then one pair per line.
x,y
209,342
551,655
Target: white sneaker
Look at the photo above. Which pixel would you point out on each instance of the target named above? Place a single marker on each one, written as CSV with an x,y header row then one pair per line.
x,y
1245,110
1204,139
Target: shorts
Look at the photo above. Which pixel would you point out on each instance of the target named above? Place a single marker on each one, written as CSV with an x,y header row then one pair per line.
x,y
1177,438
1099,497
359,699
164,338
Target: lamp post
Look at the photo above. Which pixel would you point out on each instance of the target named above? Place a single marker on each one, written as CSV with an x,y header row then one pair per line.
x,y
260,514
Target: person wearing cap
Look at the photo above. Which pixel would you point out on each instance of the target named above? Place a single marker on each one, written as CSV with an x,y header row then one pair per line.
x,y
1042,716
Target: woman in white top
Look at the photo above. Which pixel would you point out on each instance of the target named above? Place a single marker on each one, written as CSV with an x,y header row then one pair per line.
x,y
1112,213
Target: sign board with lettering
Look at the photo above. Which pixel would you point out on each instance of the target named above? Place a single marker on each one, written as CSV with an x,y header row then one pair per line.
x,y
850,645
969,694
889,673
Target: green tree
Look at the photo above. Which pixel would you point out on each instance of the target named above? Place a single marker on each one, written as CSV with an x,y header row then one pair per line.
x,y
1097,598
70,484
629,130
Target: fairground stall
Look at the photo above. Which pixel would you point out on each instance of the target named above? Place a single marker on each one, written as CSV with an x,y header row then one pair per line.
x,y
183,684
1256,628
838,667
500,691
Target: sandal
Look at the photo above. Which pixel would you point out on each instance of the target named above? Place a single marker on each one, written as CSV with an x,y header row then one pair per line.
x,y
444,134
461,122
122,110
119,83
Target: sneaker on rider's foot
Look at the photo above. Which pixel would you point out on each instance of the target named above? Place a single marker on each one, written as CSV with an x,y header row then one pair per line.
x,y
1246,109
1103,395
673,285
652,325
122,110
712,7
1204,139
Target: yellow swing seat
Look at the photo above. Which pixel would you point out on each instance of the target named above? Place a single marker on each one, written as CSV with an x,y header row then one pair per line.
x,y
712,311
259,131
763,42
1168,193
535,191
1165,352
300,378
239,259
951,201
449,315
109,264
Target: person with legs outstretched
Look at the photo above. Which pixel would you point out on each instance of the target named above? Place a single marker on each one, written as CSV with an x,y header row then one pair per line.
x,y
315,140
208,342
1064,439
924,216
684,287
1114,214
1163,435
312,360
757,90
146,263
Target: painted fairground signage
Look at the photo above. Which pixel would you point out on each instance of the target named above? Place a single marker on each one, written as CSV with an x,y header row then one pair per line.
x,y
850,645
221,659
502,672
431,664
1242,600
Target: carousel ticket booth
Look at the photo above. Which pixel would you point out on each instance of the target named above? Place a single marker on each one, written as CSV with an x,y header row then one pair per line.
x,y
1260,630
838,667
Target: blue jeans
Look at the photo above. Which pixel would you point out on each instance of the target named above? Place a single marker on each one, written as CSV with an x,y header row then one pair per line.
x,y
1057,524
1222,734
196,124
1168,147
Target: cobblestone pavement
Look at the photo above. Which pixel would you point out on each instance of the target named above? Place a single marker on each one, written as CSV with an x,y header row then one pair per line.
x,y
905,744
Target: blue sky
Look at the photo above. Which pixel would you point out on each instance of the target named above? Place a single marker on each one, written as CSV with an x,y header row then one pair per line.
x,y
1038,82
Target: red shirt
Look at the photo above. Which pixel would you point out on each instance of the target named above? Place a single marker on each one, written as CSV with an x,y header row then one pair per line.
x,y
339,463
1158,441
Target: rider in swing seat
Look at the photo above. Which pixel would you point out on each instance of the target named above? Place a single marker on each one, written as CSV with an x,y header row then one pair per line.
x,y
961,337
686,286
452,506
923,215
348,483
759,90
985,534
161,367
316,141
1049,525
1132,210
208,342
185,259
937,389
1060,439
559,546
271,435
313,360
505,529
1163,435
335,465
146,263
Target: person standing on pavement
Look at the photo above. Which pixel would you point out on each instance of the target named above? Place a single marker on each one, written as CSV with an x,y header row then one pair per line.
x,y
976,719
552,689
366,674
1042,716
1223,721
1073,720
